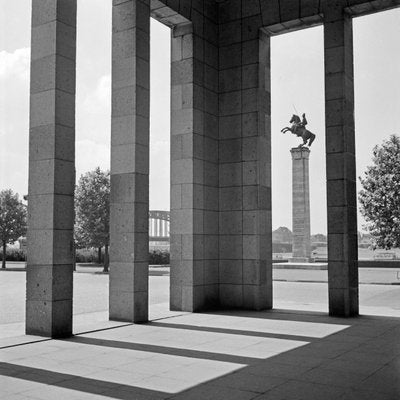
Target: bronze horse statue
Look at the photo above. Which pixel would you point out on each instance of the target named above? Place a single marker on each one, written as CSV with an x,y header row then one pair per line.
x,y
298,128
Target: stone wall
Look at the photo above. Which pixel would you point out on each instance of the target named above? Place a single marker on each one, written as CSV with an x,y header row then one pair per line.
x,y
221,155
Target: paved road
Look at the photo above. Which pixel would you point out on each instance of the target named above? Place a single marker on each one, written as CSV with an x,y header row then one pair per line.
x,y
91,295
281,273
365,275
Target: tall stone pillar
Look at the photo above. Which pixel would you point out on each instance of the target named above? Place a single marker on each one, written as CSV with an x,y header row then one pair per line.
x,y
245,240
340,163
129,221
301,204
194,164
51,169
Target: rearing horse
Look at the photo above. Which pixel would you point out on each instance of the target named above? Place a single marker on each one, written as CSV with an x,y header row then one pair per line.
x,y
299,129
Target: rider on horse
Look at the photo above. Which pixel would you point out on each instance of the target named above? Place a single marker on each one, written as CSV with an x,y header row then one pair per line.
x,y
298,125
298,128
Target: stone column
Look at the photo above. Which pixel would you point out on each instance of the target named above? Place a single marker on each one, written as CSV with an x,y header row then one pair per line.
x,y
245,248
301,205
194,166
340,164
129,221
51,169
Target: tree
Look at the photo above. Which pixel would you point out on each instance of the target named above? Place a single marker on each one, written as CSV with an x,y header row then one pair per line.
x,y
12,220
92,212
380,195
282,235
319,237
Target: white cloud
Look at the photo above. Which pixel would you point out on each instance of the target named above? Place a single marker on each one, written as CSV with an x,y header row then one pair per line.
x,y
14,89
159,146
15,64
14,111
99,101
93,111
90,155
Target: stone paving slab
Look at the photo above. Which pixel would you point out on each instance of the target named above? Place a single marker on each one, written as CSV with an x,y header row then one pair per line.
x,y
222,355
91,301
13,334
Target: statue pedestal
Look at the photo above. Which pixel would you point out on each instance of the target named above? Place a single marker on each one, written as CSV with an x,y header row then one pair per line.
x,y
301,205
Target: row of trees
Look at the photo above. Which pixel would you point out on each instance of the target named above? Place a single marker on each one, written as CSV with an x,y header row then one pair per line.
x,y
92,215
12,220
379,200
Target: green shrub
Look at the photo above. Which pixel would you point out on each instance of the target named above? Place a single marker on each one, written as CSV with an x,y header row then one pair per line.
x,y
13,255
156,257
86,255
159,257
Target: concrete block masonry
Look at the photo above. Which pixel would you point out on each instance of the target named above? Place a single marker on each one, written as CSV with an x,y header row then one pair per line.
x,y
301,205
221,154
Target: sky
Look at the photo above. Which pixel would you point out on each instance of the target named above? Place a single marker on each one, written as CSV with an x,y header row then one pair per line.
x,y
297,69
297,87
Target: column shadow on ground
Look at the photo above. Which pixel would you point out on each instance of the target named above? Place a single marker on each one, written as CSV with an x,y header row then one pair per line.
x,y
359,359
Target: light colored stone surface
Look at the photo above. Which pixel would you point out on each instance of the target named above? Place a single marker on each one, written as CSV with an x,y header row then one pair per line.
x,y
293,290
235,355
130,162
51,169
340,161
220,158
194,165
244,157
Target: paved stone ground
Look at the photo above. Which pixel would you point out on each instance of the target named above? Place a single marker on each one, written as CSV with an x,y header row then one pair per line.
x,y
91,300
243,355
292,290
233,355
90,294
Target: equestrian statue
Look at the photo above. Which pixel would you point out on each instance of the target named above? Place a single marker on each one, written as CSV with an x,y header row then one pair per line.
x,y
298,128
